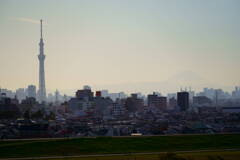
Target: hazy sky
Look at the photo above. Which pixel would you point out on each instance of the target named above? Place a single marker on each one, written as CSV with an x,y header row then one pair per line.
x,y
113,42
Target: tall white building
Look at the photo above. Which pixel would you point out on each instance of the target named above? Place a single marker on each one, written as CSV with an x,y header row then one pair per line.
x,y
21,94
31,91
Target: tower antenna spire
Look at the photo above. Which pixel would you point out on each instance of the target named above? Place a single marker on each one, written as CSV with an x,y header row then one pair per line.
x,y
41,28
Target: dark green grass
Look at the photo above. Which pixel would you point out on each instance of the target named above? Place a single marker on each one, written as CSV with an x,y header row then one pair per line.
x,y
226,155
107,145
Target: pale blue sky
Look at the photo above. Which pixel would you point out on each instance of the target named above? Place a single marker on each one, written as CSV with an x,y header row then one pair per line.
x,y
110,42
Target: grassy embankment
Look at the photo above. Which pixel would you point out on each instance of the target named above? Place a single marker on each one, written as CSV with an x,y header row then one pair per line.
x,y
223,155
112,145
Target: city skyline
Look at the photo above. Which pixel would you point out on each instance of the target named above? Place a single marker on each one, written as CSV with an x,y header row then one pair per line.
x,y
83,79
141,47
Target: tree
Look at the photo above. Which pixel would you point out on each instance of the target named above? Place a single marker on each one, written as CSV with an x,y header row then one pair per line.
x,y
37,115
27,115
51,116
